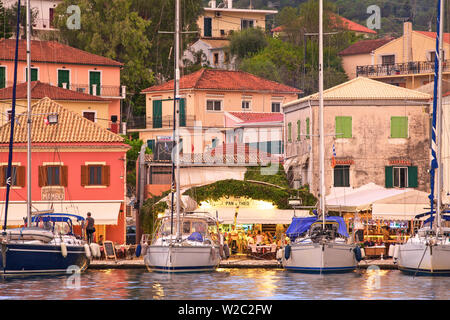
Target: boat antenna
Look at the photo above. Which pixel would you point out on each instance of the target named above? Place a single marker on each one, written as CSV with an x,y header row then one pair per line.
x,y
13,120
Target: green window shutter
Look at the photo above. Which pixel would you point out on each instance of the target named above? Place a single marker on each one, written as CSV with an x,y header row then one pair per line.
x,y
34,74
183,112
2,77
412,177
343,127
307,128
389,177
157,114
298,130
94,78
64,77
151,144
208,27
399,127
289,132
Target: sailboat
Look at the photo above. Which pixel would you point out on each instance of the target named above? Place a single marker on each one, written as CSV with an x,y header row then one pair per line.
x,y
46,244
191,248
428,251
319,244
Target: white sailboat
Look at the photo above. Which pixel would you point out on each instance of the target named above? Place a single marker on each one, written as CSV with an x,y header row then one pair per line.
x,y
319,244
35,249
191,248
428,251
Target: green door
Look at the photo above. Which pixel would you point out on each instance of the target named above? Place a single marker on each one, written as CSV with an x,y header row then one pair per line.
x,y
2,77
208,27
94,78
64,77
34,74
157,114
183,112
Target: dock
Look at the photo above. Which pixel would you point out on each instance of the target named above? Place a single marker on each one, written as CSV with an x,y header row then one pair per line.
x,y
240,262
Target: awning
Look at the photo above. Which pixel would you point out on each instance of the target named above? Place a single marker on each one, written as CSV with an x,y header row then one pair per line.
x,y
258,216
103,212
359,199
404,206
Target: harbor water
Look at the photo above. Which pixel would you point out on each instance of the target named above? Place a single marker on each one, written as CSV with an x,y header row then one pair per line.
x,y
226,284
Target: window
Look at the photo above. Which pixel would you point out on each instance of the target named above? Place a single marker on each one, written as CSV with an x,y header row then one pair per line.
x,y
298,130
90,115
307,128
151,144
246,24
17,176
51,15
216,58
9,114
401,177
289,132
34,74
64,78
276,106
2,77
399,127
207,27
52,175
157,113
226,58
343,127
245,105
95,175
213,105
388,59
342,176
94,79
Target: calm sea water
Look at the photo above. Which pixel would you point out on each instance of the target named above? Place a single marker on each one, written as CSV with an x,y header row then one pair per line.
x,y
226,284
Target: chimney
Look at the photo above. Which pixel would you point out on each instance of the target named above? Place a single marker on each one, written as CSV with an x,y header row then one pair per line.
x,y
230,4
212,3
407,42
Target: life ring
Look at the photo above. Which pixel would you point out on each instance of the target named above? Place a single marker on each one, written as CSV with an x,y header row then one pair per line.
x,y
287,252
138,250
87,251
63,249
357,252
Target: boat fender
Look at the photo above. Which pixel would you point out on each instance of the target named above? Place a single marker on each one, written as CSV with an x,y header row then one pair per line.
x,y
287,252
144,249
357,252
87,251
138,250
396,252
279,254
391,250
226,251
363,253
95,250
212,253
63,249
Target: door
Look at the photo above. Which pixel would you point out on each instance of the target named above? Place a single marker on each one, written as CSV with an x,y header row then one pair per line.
x,y
157,114
64,77
183,112
207,23
94,78
2,77
34,74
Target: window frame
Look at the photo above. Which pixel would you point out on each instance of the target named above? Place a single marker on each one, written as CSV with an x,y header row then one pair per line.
x,y
398,184
214,101
344,181
278,104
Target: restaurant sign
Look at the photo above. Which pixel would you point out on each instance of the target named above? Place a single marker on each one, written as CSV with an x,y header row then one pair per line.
x,y
234,202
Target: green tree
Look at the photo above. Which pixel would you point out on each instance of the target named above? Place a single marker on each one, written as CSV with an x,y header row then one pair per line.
x,y
247,42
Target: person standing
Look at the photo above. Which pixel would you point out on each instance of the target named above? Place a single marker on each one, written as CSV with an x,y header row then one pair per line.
x,y
359,228
90,229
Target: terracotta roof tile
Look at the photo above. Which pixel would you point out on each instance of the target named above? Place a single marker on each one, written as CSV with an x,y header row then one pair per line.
x,y
225,80
71,127
41,90
365,46
433,35
52,51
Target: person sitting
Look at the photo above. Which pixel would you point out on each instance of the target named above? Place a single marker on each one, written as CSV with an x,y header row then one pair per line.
x,y
259,238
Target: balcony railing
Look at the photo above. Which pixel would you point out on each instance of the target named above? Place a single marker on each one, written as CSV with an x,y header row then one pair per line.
x,y
409,68
143,122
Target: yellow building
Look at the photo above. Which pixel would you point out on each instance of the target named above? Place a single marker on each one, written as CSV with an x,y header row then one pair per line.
x,y
407,61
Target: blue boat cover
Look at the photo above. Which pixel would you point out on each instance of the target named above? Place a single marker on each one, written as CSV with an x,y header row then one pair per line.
x,y
446,218
300,225
56,217
196,236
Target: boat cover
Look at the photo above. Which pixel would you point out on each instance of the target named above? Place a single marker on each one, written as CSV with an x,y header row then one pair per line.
x,y
196,236
300,225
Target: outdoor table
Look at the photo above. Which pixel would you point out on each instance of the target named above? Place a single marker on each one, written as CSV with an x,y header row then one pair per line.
x,y
375,250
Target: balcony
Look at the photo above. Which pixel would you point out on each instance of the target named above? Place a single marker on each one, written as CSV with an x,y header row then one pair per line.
x,y
143,122
400,69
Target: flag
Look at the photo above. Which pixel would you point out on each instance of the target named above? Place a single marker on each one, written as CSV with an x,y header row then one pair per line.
x,y
333,158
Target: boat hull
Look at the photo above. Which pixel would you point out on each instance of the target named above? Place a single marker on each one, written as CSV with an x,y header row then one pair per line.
x,y
420,259
36,259
182,258
320,258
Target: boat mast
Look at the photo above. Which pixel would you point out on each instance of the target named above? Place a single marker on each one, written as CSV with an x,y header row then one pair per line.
x,y
321,135
440,54
28,31
177,112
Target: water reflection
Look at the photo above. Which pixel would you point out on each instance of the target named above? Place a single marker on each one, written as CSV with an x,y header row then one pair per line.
x,y
228,284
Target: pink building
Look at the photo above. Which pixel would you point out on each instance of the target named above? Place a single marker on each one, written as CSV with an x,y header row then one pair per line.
x,y
77,167
66,67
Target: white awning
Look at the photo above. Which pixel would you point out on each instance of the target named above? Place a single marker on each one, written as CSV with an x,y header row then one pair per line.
x,y
103,212
404,206
258,216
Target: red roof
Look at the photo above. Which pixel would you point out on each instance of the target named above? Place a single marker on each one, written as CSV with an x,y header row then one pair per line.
x,y
433,35
248,117
41,90
52,51
225,80
345,23
365,46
